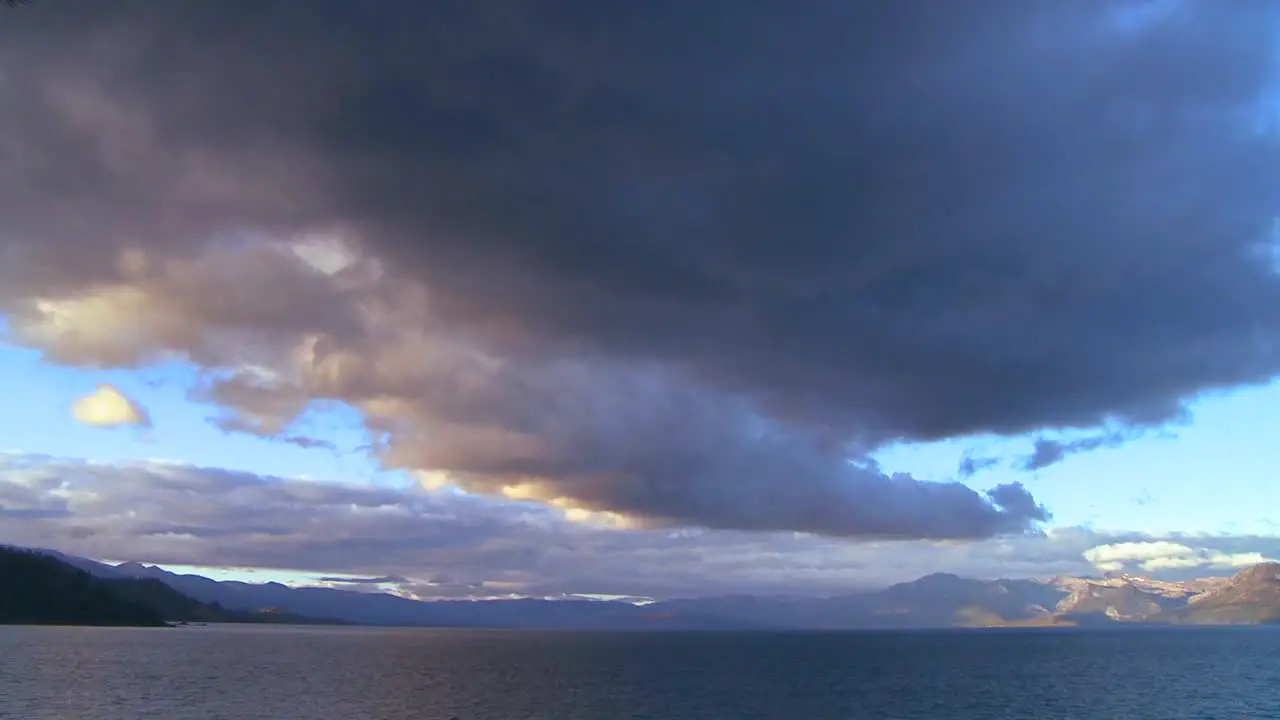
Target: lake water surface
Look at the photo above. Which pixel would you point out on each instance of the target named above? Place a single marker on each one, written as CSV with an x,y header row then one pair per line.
x,y
286,673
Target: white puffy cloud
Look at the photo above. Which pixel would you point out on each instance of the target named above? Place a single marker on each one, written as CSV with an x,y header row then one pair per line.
x,y
107,406
1163,555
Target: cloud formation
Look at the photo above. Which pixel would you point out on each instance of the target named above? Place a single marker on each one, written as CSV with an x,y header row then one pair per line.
x,y
106,406
452,544
687,265
1164,555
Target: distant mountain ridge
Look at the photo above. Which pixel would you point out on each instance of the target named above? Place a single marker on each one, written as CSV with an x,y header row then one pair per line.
x,y
940,600
1250,596
371,608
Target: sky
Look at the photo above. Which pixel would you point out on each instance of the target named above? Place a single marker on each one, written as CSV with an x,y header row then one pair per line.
x,y
569,300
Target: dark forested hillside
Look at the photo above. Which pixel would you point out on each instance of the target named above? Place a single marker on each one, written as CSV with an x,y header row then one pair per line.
x,y
36,589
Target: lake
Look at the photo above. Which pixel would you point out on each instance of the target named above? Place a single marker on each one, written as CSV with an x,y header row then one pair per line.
x,y
288,673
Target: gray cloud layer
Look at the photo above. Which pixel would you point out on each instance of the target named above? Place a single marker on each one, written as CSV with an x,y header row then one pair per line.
x,y
452,544
825,230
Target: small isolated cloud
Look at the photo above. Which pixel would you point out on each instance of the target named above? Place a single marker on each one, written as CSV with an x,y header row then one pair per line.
x,y
1165,555
1047,451
108,407
971,465
1050,451
306,442
385,579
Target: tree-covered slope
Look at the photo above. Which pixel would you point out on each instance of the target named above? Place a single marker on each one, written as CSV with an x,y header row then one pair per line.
x,y
36,589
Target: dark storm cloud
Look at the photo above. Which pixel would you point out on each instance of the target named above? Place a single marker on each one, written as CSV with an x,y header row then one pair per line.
x,y
878,220
920,222
918,218
648,446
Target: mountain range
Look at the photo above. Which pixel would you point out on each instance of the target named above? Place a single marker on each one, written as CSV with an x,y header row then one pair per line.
x,y
940,600
39,587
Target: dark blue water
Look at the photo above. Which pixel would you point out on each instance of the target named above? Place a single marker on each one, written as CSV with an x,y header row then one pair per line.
x,y
292,673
